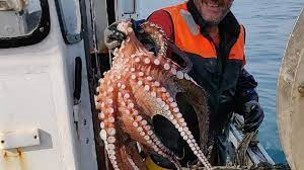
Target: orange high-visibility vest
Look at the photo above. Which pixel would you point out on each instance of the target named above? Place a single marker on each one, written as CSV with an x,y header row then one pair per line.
x,y
198,44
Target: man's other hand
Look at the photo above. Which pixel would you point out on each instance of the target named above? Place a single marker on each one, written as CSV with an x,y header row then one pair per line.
x,y
253,116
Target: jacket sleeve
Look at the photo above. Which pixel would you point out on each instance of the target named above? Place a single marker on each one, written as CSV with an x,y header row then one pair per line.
x,y
245,89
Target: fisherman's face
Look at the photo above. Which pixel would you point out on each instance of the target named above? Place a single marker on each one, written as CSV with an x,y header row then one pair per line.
x,y
213,11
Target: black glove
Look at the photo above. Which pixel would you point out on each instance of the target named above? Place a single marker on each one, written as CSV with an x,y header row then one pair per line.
x,y
253,116
113,37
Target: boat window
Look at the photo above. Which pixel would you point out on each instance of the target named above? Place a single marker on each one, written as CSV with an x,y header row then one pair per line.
x,y
70,20
23,22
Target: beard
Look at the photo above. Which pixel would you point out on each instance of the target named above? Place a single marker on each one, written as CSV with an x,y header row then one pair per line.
x,y
213,11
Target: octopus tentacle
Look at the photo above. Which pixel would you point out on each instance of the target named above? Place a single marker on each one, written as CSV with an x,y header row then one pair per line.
x,y
195,96
170,110
135,157
130,156
123,159
158,36
107,117
142,57
116,151
146,62
136,124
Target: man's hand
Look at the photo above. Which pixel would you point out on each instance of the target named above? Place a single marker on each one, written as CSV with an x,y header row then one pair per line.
x,y
113,37
253,116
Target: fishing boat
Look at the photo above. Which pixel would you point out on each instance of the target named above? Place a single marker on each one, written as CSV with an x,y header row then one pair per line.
x,y
51,57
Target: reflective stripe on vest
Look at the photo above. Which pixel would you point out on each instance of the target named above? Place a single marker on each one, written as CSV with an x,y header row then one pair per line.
x,y
189,39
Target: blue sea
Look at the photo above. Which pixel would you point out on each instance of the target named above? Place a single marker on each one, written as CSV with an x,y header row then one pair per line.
x,y
268,25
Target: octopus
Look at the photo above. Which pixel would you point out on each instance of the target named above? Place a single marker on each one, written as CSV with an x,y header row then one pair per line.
x,y
140,86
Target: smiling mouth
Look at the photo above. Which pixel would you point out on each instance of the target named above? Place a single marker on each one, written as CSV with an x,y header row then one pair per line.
x,y
213,5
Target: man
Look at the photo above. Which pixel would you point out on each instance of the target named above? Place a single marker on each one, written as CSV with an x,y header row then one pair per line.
x,y
214,40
